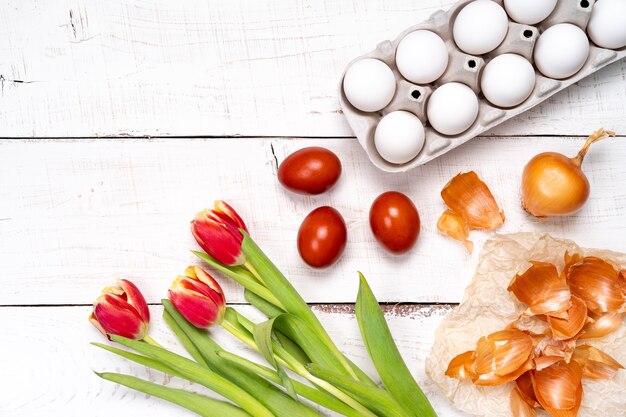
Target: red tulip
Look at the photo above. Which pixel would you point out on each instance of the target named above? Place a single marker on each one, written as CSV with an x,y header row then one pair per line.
x,y
198,297
121,310
217,232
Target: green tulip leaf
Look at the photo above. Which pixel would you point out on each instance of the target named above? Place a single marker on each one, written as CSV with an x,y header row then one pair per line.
x,y
264,340
376,399
200,374
199,404
312,394
385,355
277,401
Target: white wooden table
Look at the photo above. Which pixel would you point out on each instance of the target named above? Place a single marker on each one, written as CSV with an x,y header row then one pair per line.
x,y
120,119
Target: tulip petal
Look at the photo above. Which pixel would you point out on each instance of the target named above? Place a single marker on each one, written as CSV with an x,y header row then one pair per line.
x,y
519,407
199,310
93,320
216,293
542,289
135,298
220,240
597,282
461,366
570,326
595,363
606,324
222,207
118,317
467,195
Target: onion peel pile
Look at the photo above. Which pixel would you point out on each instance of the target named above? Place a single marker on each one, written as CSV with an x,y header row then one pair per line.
x,y
541,349
471,206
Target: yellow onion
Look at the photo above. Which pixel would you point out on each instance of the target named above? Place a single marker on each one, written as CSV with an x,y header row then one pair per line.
x,y
469,196
543,289
519,406
569,327
558,388
452,224
597,282
594,363
555,185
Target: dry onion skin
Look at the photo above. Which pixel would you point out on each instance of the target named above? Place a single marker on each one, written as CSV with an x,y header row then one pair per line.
x,y
555,185
471,206
453,225
548,363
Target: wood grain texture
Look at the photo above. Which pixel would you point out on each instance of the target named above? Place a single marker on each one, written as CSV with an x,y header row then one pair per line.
x,y
77,214
51,368
255,68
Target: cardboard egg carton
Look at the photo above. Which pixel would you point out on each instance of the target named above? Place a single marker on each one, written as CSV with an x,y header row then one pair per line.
x,y
466,69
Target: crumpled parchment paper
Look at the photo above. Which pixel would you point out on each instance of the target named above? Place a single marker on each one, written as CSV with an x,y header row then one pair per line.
x,y
487,307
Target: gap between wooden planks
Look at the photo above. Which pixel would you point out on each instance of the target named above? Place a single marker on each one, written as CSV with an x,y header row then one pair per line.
x,y
77,214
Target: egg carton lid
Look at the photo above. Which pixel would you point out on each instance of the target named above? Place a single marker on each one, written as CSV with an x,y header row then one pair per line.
x,y
466,69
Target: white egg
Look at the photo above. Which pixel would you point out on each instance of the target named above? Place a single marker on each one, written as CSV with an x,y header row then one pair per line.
x,y
399,137
480,27
422,57
529,12
607,26
452,108
507,80
561,51
369,85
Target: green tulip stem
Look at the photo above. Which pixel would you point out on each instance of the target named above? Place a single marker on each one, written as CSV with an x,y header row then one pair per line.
x,y
254,272
285,359
310,393
242,276
151,341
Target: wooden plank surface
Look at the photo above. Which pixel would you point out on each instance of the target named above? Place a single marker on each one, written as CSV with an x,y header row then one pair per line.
x,y
254,68
76,214
54,370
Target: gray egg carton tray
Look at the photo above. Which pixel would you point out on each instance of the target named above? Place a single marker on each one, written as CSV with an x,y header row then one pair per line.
x,y
466,69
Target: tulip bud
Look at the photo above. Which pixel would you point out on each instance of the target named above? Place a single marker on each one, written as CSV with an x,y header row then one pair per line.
x,y
217,232
198,297
121,310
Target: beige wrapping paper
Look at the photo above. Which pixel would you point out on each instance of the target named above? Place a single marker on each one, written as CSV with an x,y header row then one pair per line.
x,y
487,307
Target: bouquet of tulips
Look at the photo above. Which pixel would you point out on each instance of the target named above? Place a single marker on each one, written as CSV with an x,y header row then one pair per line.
x,y
305,366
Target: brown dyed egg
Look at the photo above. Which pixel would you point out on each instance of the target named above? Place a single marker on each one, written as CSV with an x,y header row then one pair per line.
x,y
394,221
322,237
310,170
